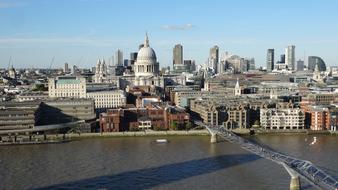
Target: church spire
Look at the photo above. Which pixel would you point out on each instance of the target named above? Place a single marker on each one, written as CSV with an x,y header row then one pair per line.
x,y
237,84
146,41
238,90
316,68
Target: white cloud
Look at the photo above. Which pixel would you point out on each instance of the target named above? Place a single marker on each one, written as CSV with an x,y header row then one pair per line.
x,y
178,27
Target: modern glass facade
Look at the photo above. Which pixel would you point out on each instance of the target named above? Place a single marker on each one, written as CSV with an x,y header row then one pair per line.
x,y
313,61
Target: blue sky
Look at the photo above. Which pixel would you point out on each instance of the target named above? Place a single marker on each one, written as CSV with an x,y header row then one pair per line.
x,y
79,32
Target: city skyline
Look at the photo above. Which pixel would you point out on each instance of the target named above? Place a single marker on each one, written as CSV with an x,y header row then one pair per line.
x,y
111,94
34,32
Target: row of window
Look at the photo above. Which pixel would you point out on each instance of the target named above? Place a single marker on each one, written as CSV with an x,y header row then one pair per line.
x,y
105,95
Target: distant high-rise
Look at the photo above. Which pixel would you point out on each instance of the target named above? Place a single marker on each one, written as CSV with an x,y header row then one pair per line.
x,y
300,65
76,70
214,58
119,58
245,65
189,65
282,58
270,60
133,57
313,61
66,69
126,63
290,57
178,55
252,65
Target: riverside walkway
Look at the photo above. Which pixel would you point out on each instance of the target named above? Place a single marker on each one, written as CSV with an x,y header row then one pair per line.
x,y
294,166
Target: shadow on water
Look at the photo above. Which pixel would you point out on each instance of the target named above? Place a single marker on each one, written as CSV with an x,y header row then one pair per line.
x,y
152,177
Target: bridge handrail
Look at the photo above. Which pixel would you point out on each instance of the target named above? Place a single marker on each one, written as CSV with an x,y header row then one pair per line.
x,y
302,167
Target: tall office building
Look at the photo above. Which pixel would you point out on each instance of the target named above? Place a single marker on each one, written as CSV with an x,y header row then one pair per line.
x,y
119,58
189,65
66,69
76,70
313,61
214,58
133,57
178,55
252,65
126,62
270,60
290,57
282,58
300,65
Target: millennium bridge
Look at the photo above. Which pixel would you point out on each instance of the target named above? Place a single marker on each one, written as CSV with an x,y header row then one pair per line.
x,y
36,129
295,167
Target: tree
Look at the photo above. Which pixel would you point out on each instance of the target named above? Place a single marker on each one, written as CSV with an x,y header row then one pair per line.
x,y
188,125
40,87
159,128
133,128
173,125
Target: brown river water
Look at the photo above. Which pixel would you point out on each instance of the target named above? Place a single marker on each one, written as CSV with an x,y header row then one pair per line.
x,y
186,162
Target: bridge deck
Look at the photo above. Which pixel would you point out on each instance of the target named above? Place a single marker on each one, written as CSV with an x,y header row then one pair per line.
x,y
304,168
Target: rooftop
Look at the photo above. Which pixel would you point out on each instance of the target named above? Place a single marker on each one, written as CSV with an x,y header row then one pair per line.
x,y
68,81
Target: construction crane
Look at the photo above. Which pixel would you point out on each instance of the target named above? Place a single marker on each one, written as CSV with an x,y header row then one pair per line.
x,y
50,65
9,62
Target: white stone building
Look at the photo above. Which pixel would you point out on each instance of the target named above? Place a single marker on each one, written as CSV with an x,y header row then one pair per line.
x,y
281,119
75,87
238,90
146,63
67,86
108,99
318,76
147,68
100,71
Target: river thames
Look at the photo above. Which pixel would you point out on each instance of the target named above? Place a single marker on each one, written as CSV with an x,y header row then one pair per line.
x,y
186,162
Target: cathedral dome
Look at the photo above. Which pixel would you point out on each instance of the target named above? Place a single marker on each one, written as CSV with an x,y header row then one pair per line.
x,y
146,63
146,53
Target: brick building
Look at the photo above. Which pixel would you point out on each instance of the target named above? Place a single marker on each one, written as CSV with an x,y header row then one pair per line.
x,y
152,117
320,114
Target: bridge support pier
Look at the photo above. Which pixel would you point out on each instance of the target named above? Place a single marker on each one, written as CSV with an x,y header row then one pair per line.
x,y
295,181
213,138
